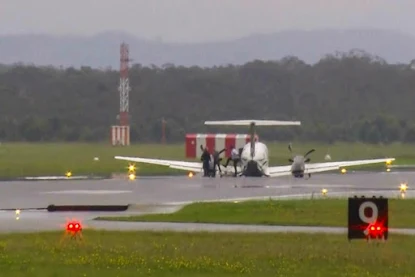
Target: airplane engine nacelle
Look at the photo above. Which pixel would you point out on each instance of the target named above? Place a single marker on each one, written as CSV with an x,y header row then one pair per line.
x,y
298,174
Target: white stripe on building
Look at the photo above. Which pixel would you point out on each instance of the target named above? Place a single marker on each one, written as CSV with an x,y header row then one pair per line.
x,y
240,141
120,135
220,141
200,140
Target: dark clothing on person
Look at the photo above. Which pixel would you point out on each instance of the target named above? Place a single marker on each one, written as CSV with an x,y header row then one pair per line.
x,y
205,158
216,161
216,154
235,164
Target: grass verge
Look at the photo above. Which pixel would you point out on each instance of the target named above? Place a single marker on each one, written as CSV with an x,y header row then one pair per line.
x,y
319,212
202,254
36,159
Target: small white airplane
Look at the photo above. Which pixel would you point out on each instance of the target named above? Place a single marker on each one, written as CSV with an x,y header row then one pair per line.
x,y
254,157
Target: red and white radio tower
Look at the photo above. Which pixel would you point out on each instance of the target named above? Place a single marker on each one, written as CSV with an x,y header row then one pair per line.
x,y
124,87
120,134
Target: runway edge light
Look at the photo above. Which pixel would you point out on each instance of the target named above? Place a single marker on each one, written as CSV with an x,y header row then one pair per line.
x,y
131,168
132,172
402,188
73,226
73,230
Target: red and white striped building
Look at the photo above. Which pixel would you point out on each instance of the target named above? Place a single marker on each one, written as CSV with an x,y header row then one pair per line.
x,y
214,141
120,135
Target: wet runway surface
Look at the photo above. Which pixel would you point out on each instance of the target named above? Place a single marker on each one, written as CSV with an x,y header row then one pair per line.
x,y
160,191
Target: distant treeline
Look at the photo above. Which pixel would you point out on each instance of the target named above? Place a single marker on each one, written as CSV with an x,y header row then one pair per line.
x,y
346,97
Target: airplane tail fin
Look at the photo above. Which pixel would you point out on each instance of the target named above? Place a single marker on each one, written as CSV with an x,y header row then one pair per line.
x,y
252,124
252,134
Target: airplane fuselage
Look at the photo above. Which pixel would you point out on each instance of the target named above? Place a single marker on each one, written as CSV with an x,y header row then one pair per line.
x,y
256,165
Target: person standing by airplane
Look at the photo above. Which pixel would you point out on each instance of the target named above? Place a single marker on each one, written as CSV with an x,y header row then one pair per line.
x,y
205,158
235,158
216,161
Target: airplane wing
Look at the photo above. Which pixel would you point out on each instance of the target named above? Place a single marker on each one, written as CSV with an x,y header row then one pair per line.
x,y
314,166
277,171
182,165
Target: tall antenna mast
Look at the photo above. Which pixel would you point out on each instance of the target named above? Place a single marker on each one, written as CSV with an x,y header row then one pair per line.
x,y
120,134
124,87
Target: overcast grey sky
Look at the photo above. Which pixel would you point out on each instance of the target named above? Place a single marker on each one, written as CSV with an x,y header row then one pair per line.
x,y
200,20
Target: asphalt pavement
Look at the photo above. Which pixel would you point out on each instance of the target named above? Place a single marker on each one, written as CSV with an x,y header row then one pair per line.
x,y
167,194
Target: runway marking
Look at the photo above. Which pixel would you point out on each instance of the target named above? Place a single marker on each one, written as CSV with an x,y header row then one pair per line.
x,y
297,186
320,185
337,194
86,192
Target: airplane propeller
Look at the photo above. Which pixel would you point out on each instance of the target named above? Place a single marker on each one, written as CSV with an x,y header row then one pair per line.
x,y
308,153
306,160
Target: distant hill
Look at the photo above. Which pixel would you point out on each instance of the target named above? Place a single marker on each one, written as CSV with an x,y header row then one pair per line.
x,y
102,50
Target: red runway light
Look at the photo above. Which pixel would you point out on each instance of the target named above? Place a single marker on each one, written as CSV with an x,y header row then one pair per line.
x,y
73,227
376,230
73,230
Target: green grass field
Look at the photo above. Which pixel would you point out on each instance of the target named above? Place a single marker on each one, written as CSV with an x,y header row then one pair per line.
x,y
202,254
25,159
318,212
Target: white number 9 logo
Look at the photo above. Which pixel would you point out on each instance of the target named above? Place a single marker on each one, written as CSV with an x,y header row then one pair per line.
x,y
375,211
